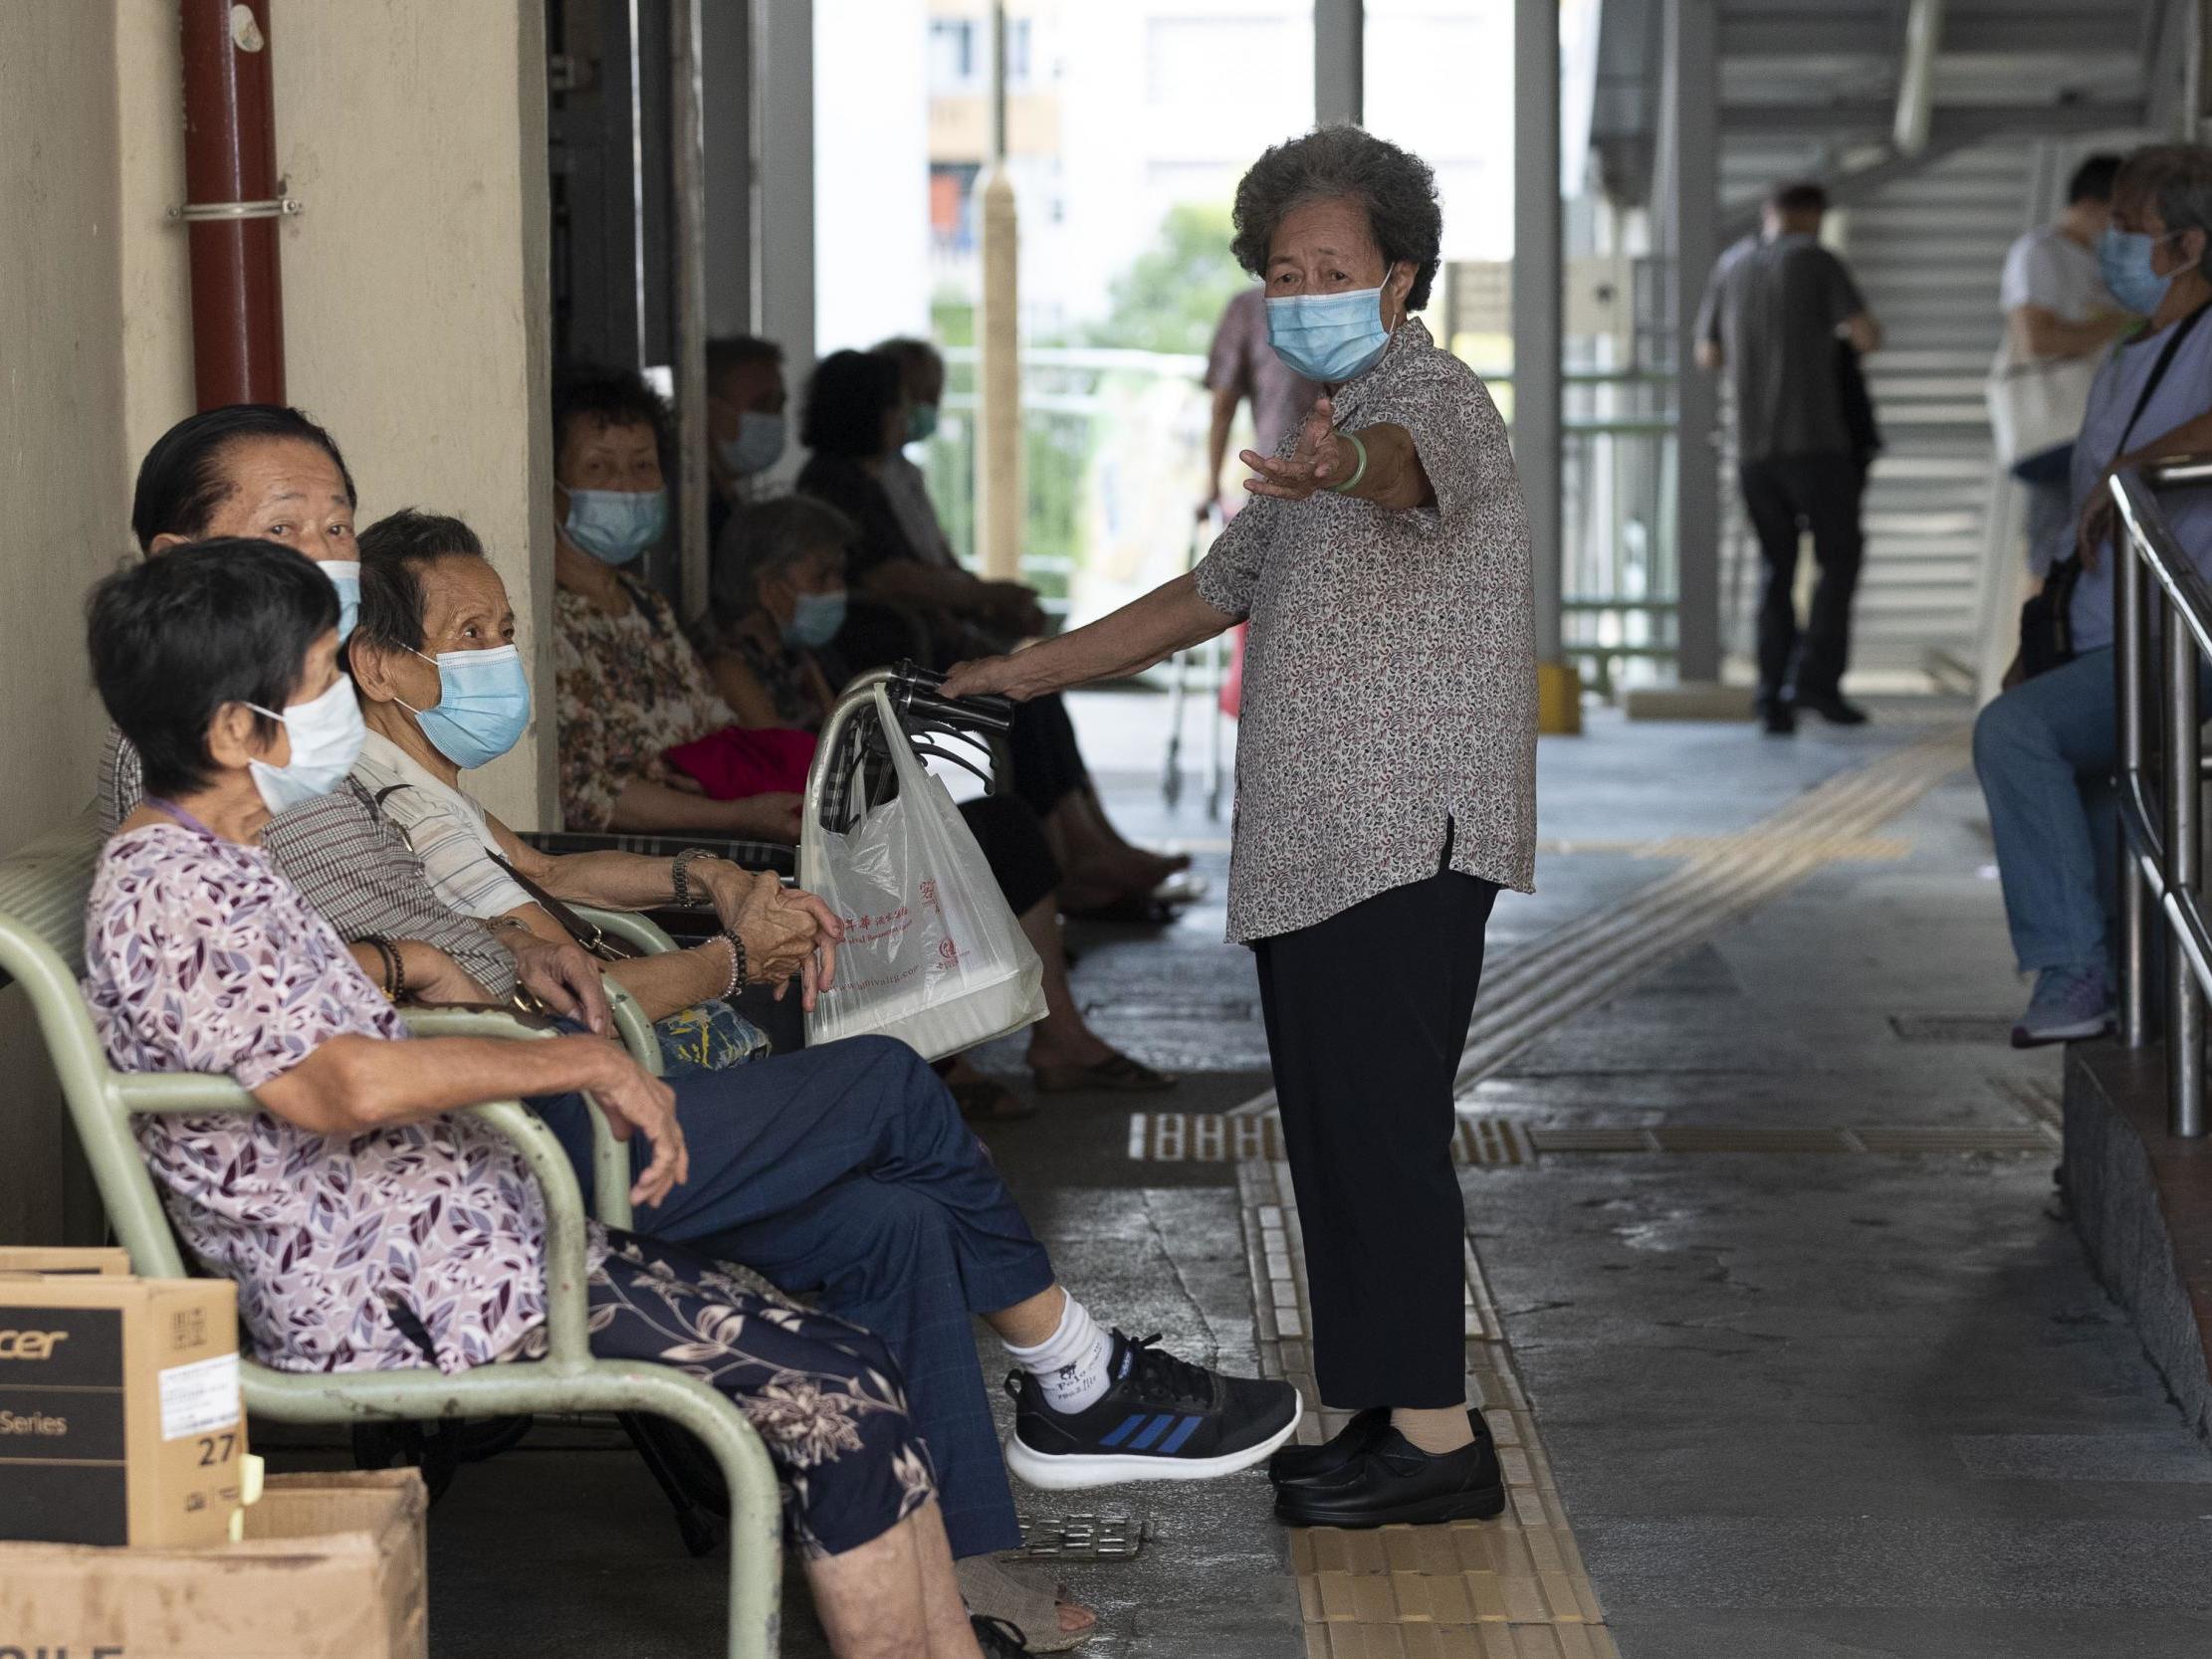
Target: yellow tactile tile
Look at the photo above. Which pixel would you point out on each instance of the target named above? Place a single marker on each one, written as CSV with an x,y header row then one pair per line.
x,y
1509,1588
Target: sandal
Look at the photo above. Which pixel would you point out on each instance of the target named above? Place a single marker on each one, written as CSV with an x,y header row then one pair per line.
x,y
1117,1074
992,1592
983,1100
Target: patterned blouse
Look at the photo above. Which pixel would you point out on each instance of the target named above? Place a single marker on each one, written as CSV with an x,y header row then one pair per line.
x,y
348,1252
1390,680
629,688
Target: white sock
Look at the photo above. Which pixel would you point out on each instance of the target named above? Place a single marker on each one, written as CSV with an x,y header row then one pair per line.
x,y
1070,1364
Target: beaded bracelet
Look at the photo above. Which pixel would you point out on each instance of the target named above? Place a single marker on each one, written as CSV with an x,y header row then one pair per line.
x,y
737,964
395,969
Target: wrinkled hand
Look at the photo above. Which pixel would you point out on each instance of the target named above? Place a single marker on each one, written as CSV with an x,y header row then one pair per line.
x,y
986,677
1321,459
787,934
634,1103
565,977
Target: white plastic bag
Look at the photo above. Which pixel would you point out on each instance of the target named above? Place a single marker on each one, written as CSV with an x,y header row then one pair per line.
x,y
2036,404
932,954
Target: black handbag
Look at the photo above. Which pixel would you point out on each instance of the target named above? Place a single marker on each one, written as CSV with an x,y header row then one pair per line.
x,y
2047,618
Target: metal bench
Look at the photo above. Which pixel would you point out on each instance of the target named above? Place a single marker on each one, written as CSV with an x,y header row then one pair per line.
x,y
43,889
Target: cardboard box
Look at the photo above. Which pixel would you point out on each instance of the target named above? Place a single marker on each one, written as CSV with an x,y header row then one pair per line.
x,y
22,1258
332,1569
119,1416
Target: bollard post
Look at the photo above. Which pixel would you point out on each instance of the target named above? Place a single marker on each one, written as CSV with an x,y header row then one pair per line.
x,y
2184,996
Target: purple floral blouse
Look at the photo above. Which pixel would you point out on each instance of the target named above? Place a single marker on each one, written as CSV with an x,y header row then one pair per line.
x,y
200,957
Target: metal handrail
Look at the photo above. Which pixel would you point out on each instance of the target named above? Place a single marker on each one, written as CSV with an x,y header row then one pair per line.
x,y
2162,863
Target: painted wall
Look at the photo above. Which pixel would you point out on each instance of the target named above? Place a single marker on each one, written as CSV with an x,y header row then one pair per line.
x,y
415,307
415,283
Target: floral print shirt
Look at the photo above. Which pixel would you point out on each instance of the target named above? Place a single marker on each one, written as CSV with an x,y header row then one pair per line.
x,y
350,1252
1390,678
629,688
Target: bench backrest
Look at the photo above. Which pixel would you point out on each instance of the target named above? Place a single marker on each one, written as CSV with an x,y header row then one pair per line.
x,y
43,889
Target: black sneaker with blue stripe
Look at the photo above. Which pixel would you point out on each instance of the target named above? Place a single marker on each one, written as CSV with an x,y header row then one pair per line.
x,y
1162,1419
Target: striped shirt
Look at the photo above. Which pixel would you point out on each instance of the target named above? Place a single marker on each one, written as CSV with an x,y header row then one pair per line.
x,y
445,827
351,861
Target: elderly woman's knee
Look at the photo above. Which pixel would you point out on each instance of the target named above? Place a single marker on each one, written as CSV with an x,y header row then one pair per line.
x,y
2013,726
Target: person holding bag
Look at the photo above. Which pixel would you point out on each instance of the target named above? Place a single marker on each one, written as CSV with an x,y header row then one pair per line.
x,y
2044,750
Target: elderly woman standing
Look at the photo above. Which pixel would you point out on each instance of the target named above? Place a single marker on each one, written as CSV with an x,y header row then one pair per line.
x,y
1386,793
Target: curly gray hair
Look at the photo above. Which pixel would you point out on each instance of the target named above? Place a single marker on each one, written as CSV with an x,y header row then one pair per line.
x,y
1395,187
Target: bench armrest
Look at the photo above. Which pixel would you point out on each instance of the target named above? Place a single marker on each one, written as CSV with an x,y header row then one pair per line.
x,y
753,855
567,1336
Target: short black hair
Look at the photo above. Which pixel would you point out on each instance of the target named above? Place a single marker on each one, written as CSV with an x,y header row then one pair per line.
x,y
607,397
1803,195
735,352
181,481
2093,179
393,551
1396,188
172,640
847,396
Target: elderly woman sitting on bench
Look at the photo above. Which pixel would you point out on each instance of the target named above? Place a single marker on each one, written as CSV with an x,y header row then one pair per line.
x,y
366,1225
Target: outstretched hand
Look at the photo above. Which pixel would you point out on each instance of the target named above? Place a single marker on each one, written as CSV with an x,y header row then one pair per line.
x,y
1321,460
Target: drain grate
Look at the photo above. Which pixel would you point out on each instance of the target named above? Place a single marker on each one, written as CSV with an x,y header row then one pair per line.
x,y
1952,1028
1081,1537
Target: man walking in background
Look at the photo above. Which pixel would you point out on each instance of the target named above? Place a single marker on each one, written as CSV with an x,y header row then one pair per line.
x,y
1780,313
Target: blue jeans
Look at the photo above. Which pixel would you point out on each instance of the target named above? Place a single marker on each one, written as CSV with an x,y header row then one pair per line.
x,y
2045,752
846,1174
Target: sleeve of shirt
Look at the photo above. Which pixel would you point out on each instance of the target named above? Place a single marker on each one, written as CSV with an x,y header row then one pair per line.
x,y
1230,574
213,987
2032,276
1838,292
122,782
588,782
461,869
1709,308
1446,410
1226,359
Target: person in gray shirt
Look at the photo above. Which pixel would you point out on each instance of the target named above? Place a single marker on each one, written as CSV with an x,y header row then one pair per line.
x,y
1782,314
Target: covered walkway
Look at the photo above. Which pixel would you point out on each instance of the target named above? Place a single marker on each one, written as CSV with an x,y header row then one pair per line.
x,y
1772,1303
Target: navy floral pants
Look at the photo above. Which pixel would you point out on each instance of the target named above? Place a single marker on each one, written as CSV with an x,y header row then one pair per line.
x,y
823,1396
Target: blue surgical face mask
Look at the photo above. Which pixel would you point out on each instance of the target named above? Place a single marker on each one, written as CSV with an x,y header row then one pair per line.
x,y
345,576
1328,338
483,704
325,733
2123,260
815,619
757,446
920,422
615,525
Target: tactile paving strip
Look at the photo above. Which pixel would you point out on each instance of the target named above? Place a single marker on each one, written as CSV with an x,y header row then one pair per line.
x,y
1509,1588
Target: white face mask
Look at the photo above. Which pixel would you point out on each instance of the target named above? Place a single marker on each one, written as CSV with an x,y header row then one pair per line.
x,y
327,735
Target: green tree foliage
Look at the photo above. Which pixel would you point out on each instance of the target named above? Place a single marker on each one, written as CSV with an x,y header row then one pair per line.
x,y
1170,295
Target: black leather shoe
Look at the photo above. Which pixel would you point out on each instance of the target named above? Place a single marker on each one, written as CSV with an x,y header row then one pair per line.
x,y
1295,1464
1779,717
1835,709
1393,1482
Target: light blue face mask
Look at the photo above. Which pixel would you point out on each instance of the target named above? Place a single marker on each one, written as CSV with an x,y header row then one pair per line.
x,y
1328,338
920,422
2123,260
615,525
345,576
327,733
815,619
757,446
483,704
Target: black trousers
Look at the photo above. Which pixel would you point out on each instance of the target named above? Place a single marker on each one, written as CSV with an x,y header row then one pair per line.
x,y
1046,762
1783,494
1367,1016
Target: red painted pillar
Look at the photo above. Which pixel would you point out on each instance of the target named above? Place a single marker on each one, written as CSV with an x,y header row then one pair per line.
x,y
230,191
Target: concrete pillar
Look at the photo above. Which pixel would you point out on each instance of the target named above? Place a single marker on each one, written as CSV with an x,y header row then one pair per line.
x,y
784,162
998,497
1339,62
1690,116
687,148
1537,339
728,105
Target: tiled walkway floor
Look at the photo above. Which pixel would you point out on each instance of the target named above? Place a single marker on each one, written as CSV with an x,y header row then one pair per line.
x,y
1786,1355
